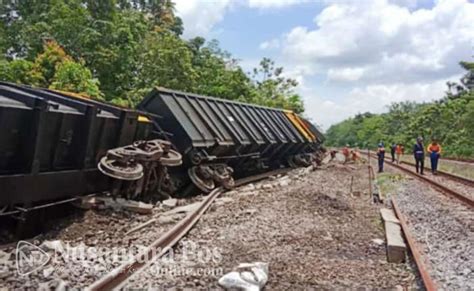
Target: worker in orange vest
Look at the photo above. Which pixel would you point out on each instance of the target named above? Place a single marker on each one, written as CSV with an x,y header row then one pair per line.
x,y
399,150
346,153
434,149
355,156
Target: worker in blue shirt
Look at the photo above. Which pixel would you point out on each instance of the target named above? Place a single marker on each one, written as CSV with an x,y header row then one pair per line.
x,y
419,155
381,156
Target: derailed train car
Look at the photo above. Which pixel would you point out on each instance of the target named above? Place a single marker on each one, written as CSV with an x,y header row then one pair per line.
x,y
56,145
220,139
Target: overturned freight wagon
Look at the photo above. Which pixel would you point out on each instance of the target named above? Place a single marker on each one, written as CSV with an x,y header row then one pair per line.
x,y
51,143
55,146
220,138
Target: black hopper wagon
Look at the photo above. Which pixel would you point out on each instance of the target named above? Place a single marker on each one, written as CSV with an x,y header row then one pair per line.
x,y
220,139
57,146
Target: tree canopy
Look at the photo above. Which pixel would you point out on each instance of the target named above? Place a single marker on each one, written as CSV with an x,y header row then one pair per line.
x,y
117,50
449,120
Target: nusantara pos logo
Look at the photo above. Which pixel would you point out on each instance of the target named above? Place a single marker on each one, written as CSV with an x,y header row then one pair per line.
x,y
29,258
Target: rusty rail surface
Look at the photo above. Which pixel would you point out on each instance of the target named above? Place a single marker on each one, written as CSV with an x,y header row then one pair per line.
x,y
417,255
442,188
118,277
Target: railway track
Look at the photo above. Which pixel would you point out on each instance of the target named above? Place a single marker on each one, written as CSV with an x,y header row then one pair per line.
x,y
422,215
457,178
118,277
415,249
437,233
465,198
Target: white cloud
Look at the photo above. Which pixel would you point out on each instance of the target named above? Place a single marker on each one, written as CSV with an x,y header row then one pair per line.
x,y
372,98
370,52
199,17
389,41
345,74
265,4
379,52
271,44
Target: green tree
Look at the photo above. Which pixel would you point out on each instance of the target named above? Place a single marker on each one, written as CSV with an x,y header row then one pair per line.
x,y
54,69
74,77
165,60
218,74
17,71
273,89
128,47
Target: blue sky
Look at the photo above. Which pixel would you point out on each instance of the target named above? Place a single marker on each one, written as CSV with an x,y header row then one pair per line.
x,y
349,56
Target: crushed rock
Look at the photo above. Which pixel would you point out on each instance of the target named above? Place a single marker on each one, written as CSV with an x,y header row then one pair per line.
x,y
311,232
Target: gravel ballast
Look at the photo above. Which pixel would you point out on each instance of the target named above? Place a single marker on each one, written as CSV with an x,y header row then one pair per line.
x,y
444,228
308,228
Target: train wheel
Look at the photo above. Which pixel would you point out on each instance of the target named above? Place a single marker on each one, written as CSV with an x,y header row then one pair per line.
x,y
171,158
223,176
118,170
229,183
205,185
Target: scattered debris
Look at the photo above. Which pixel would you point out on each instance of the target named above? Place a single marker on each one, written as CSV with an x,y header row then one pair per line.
x,y
4,256
53,245
247,277
138,207
88,203
48,271
57,285
248,187
267,186
135,206
249,193
183,209
168,219
378,241
4,272
172,202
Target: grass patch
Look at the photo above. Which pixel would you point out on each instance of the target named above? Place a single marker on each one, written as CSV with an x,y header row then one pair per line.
x,y
387,183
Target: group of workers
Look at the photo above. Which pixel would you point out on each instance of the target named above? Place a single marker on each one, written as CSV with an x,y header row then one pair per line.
x,y
349,154
397,150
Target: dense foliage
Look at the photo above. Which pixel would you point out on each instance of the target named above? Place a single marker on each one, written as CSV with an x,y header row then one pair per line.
x,y
118,50
449,120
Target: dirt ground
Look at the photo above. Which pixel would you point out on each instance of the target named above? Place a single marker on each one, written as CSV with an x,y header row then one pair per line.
x,y
310,230
307,225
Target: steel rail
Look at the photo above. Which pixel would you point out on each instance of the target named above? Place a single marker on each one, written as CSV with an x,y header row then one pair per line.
x,y
422,265
118,277
442,188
